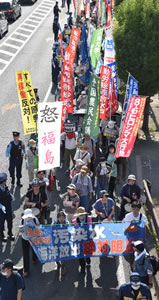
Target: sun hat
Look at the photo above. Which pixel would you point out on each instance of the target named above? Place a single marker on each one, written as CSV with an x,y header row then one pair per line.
x,y
80,211
28,214
132,177
84,169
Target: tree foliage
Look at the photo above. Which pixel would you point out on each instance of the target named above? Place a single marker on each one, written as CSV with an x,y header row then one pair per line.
x,y
136,38
117,2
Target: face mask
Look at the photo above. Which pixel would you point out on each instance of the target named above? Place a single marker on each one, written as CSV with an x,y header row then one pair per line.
x,y
103,164
135,287
4,273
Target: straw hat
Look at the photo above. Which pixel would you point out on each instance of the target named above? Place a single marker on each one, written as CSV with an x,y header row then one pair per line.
x,y
84,169
80,211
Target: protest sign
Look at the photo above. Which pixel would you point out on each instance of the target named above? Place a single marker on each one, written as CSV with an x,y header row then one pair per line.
x,y
87,9
133,90
49,121
70,127
58,243
114,76
109,15
91,119
130,127
109,51
70,52
112,104
96,46
27,102
67,87
105,83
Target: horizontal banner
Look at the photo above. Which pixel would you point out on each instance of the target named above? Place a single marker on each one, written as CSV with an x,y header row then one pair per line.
x,y
57,243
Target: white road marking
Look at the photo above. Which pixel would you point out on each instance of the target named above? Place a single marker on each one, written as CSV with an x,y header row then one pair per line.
x,y
121,272
48,93
38,15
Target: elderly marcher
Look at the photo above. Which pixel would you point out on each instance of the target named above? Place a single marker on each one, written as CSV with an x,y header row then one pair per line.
x,y
136,215
82,100
83,154
77,168
130,192
142,263
70,140
104,207
110,158
84,187
102,175
71,201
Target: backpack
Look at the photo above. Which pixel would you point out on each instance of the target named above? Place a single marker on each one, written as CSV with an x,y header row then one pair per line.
x,y
15,278
155,263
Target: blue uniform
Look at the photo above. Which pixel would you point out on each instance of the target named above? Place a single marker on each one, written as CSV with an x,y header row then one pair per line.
x,y
9,286
5,202
127,293
14,153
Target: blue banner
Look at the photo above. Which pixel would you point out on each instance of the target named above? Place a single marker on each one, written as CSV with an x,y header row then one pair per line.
x,y
132,91
57,243
113,76
84,47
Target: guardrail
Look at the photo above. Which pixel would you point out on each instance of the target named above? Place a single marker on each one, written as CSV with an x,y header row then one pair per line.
x,y
151,206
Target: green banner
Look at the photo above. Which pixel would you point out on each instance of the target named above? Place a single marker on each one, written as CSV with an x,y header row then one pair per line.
x,y
95,48
91,120
103,15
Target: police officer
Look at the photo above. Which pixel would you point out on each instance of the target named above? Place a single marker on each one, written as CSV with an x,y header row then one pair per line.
x,y
5,208
14,153
134,289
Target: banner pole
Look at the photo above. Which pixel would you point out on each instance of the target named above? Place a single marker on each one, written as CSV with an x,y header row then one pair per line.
x,y
125,102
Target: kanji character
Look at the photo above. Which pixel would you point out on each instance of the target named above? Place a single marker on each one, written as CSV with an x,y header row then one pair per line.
x,y
97,232
89,248
52,252
23,94
42,251
75,249
49,158
49,114
61,235
64,251
79,234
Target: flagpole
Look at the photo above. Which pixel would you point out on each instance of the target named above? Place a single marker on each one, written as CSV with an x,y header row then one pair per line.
x,y
125,102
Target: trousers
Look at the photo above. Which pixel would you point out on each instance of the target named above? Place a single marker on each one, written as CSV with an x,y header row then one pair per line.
x,y
68,155
15,164
26,250
7,217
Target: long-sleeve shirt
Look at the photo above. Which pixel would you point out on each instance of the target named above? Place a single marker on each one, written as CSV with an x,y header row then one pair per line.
x,y
83,184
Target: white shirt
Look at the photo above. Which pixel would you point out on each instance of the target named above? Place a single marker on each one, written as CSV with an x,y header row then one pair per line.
x,y
82,155
70,144
130,217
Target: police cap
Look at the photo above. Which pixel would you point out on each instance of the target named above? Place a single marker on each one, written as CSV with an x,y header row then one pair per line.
x,y
3,177
16,133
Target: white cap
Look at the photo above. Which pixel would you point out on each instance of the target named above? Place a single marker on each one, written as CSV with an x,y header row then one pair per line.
x,y
111,124
27,214
83,93
132,177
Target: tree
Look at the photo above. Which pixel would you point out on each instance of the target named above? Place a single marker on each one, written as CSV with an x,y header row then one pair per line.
x,y
136,38
117,2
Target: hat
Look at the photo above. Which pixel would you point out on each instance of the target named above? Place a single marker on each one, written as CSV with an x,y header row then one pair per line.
x,y
135,278
35,181
7,264
3,177
83,93
136,204
132,177
31,141
27,214
102,159
80,211
103,193
111,124
79,162
71,186
16,133
84,169
139,245
61,214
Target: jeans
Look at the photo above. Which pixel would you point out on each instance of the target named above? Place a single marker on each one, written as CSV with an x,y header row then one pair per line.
x,y
84,202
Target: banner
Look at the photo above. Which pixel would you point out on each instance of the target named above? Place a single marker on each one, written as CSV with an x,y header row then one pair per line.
x,y
114,76
61,43
133,89
130,127
27,102
71,50
84,47
87,9
91,119
109,15
112,104
49,123
63,100
105,83
109,51
67,87
103,16
95,48
58,243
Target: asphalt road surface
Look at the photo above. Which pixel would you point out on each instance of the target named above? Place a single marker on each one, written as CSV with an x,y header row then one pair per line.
x,y
34,54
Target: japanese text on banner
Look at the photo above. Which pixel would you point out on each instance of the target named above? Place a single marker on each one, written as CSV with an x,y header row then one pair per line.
x,y
49,120
27,101
105,83
71,50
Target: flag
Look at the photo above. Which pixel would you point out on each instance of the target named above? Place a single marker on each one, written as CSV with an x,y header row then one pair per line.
x,y
96,43
109,15
109,50
70,51
91,119
112,104
133,90
60,37
84,47
130,127
105,84
114,76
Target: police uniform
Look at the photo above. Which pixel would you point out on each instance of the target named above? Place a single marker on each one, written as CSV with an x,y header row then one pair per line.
x,y
5,208
15,156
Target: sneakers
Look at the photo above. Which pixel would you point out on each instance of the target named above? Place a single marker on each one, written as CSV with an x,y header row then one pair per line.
x,y
3,238
11,236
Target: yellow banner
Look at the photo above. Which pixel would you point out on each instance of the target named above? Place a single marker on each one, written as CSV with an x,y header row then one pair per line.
x,y
27,101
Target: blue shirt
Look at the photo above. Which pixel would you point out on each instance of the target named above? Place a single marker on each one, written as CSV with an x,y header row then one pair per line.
x,y
9,286
126,292
9,147
104,208
83,184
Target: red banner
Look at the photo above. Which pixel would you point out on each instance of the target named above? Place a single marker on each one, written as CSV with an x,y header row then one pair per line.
x,y
131,126
68,86
64,101
60,37
112,104
105,83
109,15
70,52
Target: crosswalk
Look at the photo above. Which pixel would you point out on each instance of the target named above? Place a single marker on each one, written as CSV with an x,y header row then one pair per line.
x,y
10,48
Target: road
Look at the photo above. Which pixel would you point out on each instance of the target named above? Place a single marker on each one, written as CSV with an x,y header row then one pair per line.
x,y
34,54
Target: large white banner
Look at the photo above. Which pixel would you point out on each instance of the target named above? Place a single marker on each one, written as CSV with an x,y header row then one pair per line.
x,y
49,128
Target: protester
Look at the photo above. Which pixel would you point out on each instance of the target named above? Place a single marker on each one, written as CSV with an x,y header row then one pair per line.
x,y
84,188
102,176
43,181
142,263
70,140
28,219
130,192
84,155
82,217
110,158
6,199
14,153
91,148
78,165
82,100
30,154
56,10
37,200
135,289
71,202
104,207
136,215
10,290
